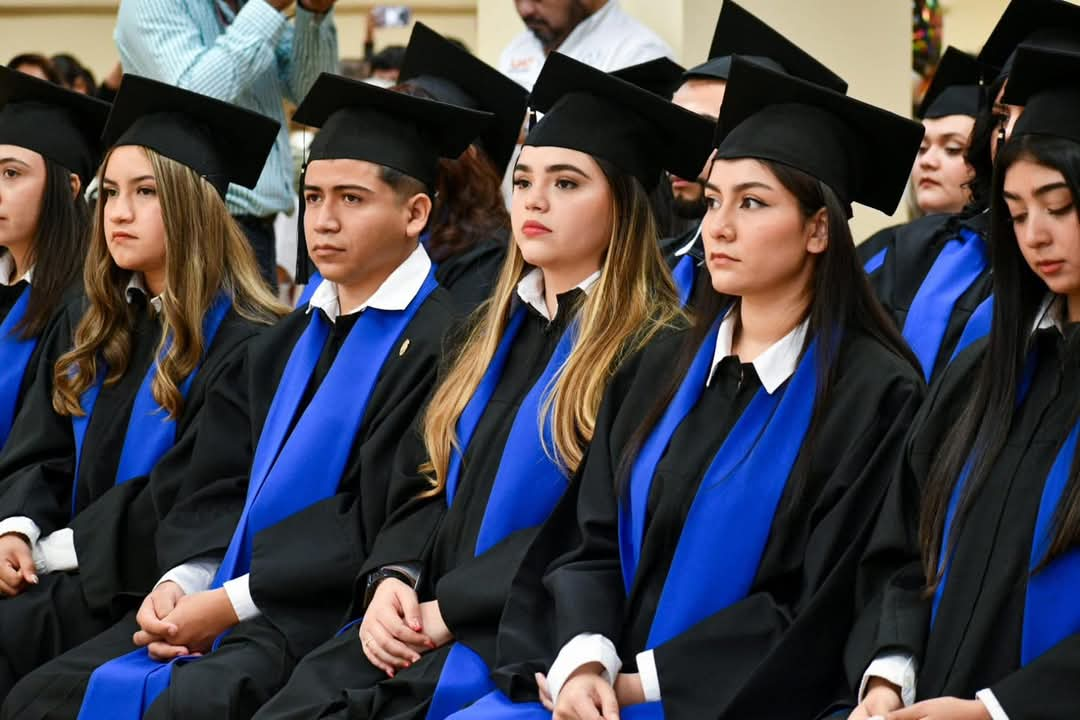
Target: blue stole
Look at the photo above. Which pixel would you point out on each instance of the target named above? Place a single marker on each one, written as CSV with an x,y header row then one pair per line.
x,y
281,482
684,275
1051,613
313,282
958,265
527,487
978,326
15,355
750,471
876,261
150,433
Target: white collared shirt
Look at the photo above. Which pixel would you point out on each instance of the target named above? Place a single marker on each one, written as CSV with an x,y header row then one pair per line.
x,y
609,39
137,283
1051,314
7,270
531,290
775,365
690,245
396,292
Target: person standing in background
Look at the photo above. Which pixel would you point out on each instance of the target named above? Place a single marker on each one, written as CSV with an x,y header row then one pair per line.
x,y
244,52
596,32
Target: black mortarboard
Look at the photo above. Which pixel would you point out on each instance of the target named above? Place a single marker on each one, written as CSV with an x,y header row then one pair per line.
x,y
453,75
223,143
738,32
661,76
1046,83
62,125
1053,24
955,88
862,152
360,121
607,117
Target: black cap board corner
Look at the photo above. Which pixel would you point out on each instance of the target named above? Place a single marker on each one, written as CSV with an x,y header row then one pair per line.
x,y
59,124
1048,23
955,88
740,32
1044,81
457,77
220,141
660,76
607,117
862,152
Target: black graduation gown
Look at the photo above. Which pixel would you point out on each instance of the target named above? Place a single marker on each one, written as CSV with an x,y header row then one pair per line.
x,y
337,678
976,639
470,276
114,526
776,653
303,568
671,245
912,250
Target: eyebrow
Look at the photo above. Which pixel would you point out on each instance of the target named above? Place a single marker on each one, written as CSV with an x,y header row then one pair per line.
x,y
339,188
561,167
1038,191
141,178
5,161
741,187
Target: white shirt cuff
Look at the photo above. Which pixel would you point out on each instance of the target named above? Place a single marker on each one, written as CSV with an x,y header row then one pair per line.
x,y
899,669
239,592
23,526
650,678
987,698
56,552
194,576
582,650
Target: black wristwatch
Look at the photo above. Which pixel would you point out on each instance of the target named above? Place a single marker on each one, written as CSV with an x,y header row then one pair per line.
x,y
405,573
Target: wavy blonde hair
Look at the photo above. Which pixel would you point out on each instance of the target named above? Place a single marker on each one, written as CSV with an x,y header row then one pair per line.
x,y
633,300
206,253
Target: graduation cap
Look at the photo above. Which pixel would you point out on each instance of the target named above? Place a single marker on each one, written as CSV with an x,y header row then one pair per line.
x,y
455,76
955,88
223,143
61,125
1044,81
1053,24
862,152
607,117
738,32
361,121
661,76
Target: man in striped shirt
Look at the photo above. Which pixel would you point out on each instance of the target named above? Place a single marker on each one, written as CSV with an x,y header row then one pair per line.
x,y
245,52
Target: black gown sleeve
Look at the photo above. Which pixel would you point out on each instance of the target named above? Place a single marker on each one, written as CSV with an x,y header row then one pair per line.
x,y
795,627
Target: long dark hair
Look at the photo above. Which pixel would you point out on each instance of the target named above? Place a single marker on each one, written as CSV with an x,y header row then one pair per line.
x,y
469,206
58,251
983,136
984,425
842,301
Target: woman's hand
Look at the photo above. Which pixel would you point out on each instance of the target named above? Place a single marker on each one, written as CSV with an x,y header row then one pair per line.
x,y
882,697
946,708
587,695
392,629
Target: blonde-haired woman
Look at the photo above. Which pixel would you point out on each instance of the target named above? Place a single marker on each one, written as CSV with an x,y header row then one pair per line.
x,y
94,467
582,289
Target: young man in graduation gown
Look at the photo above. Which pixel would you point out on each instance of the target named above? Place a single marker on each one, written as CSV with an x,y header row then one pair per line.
x,y
318,407
932,274
737,32
86,491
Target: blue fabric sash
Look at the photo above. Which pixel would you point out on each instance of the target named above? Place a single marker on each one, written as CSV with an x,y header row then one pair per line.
x,y
876,261
281,481
957,267
978,326
309,289
684,275
15,355
527,487
150,432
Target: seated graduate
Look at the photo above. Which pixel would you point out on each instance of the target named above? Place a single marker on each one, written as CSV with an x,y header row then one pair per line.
x,y
172,295
737,32
584,288
470,227
720,542
313,413
49,149
932,275
987,625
